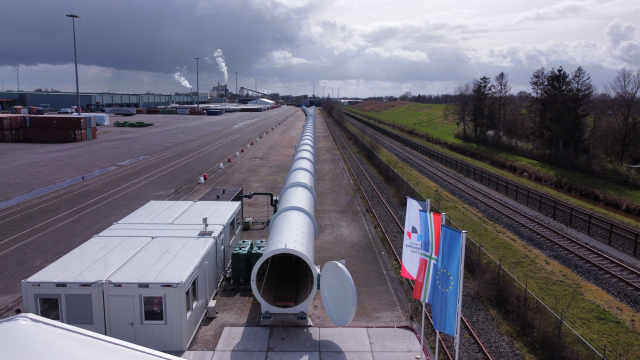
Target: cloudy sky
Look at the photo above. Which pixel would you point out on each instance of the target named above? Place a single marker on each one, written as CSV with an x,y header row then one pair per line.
x,y
363,47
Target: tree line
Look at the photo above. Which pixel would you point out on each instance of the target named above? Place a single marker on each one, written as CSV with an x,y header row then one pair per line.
x,y
562,120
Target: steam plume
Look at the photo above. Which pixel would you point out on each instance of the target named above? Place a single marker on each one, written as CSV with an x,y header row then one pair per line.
x,y
181,78
222,67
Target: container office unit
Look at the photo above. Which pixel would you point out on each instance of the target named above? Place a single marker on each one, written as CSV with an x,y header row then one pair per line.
x,y
227,214
151,291
28,336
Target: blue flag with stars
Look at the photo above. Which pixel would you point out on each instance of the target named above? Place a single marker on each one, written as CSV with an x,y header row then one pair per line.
x,y
444,281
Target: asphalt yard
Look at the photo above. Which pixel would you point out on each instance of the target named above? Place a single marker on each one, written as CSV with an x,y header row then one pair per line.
x,y
145,164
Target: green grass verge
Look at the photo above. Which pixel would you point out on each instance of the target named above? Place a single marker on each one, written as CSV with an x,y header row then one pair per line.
x,y
594,314
432,120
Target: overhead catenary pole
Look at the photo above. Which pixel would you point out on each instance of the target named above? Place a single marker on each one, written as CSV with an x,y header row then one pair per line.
x,y
256,88
461,279
237,96
197,83
75,55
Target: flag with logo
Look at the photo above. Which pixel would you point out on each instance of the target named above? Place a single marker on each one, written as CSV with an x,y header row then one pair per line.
x,y
429,248
411,242
445,280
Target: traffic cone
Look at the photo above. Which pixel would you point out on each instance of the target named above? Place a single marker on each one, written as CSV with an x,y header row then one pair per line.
x,y
206,177
252,143
221,166
242,150
229,159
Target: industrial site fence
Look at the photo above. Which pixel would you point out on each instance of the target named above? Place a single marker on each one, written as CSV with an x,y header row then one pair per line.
x,y
544,331
613,233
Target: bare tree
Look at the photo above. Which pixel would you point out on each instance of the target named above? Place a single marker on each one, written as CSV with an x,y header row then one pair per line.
x,y
463,105
537,82
501,92
624,91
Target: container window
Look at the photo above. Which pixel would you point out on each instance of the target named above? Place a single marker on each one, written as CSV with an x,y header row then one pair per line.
x,y
192,295
49,306
153,309
232,226
238,221
79,309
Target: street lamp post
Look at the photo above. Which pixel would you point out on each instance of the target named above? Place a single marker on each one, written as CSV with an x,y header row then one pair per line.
x,y
256,88
197,83
237,96
314,91
75,55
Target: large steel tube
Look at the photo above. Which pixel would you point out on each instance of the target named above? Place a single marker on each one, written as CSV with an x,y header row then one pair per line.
x,y
284,280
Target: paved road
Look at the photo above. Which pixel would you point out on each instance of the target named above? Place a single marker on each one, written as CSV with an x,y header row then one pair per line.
x,y
176,150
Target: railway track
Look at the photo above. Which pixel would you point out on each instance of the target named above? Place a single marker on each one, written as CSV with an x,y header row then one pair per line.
x,y
387,220
595,260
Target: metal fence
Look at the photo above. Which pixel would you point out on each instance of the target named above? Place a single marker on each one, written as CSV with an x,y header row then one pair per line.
x,y
544,331
617,235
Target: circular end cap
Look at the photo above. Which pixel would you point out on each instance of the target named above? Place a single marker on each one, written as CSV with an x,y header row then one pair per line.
x,y
338,293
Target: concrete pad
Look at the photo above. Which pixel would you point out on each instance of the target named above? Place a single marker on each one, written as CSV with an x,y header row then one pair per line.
x,y
294,339
239,355
349,355
396,340
244,339
197,355
344,339
395,355
293,355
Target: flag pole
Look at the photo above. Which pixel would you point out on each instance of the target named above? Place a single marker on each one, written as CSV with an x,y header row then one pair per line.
x,y
422,333
437,343
461,279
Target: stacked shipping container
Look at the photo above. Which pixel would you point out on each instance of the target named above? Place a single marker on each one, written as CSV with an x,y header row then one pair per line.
x,y
50,128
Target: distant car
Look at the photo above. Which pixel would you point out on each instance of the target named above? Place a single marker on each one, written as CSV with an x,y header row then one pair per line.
x,y
65,111
39,111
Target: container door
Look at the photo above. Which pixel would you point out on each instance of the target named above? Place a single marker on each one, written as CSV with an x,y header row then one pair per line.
x,y
122,318
338,293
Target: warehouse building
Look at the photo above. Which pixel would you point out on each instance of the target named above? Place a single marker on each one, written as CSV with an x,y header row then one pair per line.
x,y
66,100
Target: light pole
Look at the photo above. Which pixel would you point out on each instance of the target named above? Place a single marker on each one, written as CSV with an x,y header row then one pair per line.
x,y
314,91
75,55
197,83
323,92
256,88
237,96
17,70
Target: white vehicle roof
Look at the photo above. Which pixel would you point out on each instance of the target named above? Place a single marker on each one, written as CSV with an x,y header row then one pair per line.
x,y
183,212
31,337
127,260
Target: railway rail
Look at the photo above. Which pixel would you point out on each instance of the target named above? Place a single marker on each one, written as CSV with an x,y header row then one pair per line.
x,y
387,220
594,259
621,236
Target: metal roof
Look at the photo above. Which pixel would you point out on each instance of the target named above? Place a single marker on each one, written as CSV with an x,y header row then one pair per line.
x,y
127,260
29,336
183,212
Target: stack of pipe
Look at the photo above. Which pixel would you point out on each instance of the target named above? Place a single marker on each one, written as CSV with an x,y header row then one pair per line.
x,y
284,280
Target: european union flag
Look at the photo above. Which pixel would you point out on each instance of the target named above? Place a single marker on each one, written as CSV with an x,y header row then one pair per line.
x,y
444,281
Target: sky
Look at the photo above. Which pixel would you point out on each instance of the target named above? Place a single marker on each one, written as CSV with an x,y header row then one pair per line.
x,y
357,47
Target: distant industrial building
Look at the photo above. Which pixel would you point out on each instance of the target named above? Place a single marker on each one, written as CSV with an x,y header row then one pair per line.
x,y
65,100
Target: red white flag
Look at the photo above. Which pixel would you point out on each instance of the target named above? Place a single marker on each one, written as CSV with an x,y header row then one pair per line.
x,y
411,243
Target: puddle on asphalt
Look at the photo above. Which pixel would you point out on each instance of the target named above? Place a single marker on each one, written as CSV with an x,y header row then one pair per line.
x,y
63,184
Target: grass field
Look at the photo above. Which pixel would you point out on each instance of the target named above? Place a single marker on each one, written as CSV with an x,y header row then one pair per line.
x,y
594,314
432,120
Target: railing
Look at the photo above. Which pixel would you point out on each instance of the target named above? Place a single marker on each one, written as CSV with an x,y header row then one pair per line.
x,y
617,235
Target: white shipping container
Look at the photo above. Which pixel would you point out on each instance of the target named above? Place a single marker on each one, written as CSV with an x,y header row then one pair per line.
x,y
148,291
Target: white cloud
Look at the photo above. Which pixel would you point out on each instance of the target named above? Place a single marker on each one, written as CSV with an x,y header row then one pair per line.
x,y
280,58
417,56
622,43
